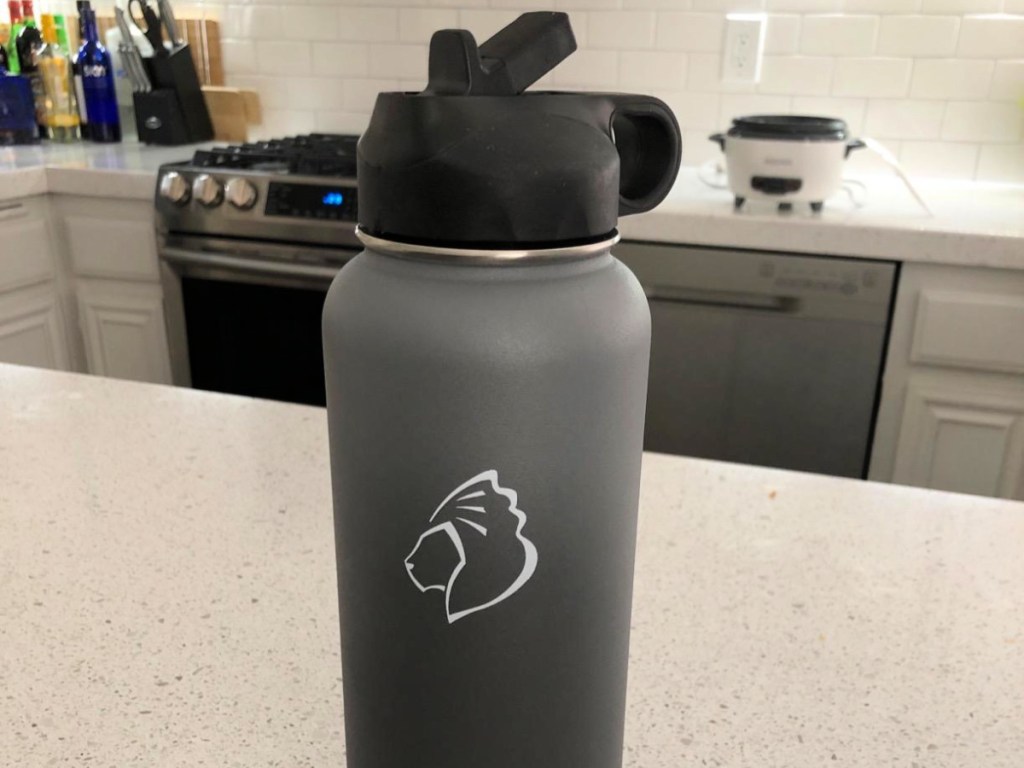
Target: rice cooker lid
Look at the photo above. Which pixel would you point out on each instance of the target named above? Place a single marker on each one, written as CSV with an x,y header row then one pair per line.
x,y
789,128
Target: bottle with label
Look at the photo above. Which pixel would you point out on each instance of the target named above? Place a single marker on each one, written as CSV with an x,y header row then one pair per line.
x,y
28,44
83,116
14,8
61,106
97,73
5,35
486,365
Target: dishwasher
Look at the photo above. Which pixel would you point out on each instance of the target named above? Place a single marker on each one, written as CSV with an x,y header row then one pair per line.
x,y
764,358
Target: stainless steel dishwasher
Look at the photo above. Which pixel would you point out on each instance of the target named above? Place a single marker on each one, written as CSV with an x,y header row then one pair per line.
x,y
764,358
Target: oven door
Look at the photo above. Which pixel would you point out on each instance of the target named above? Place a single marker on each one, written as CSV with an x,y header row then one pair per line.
x,y
244,317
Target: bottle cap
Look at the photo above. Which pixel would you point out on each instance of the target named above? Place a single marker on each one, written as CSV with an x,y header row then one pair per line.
x,y
26,9
14,8
49,28
473,162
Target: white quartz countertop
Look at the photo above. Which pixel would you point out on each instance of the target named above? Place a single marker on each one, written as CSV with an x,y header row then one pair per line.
x,y
167,598
974,223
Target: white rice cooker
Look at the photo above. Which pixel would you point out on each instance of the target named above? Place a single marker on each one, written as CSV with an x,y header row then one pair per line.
x,y
786,158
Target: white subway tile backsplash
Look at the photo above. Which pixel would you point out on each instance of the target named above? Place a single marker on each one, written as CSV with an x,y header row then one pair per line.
x,y
961,6
918,35
881,6
398,61
651,70
938,80
416,25
349,59
367,25
796,75
252,22
951,79
704,73
982,121
275,56
589,69
1008,81
839,35
239,56
782,33
904,119
1001,162
697,32
876,77
695,110
850,110
310,22
938,159
620,29
484,23
998,37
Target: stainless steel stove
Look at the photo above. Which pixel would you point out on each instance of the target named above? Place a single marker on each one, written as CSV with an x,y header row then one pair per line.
x,y
250,237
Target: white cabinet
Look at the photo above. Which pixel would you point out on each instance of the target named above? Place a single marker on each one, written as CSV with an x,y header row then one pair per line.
x,y
33,328
952,409
123,327
111,247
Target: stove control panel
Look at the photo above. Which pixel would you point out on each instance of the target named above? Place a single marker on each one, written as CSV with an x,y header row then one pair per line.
x,y
330,202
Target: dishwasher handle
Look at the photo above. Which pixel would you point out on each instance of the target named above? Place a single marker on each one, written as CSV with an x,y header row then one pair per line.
x,y
729,299
248,265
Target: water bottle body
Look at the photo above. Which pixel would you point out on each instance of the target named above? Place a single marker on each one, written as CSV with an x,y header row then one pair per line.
x,y
486,428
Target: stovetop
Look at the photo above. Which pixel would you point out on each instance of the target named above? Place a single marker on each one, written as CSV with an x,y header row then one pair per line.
x,y
300,189
315,154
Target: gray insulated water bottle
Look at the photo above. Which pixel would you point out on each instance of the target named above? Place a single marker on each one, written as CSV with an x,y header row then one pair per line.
x,y
486,360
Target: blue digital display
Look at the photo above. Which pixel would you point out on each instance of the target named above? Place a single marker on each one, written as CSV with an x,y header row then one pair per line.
x,y
333,198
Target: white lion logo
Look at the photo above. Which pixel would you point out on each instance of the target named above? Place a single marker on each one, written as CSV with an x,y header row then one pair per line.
x,y
475,551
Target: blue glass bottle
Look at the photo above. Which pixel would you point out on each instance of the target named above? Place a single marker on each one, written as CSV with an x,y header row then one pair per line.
x,y
98,84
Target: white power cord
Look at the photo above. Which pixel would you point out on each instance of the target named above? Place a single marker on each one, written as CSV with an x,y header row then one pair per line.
x,y
718,180
890,159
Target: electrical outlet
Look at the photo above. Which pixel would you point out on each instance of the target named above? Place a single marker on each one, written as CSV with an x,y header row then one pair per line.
x,y
744,47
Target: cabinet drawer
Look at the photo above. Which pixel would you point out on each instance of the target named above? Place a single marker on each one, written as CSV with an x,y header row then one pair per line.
x,y
982,331
25,254
103,247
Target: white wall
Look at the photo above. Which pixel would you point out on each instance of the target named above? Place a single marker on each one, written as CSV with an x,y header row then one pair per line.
x,y
941,82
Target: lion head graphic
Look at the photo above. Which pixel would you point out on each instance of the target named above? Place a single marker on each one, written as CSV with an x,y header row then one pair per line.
x,y
474,550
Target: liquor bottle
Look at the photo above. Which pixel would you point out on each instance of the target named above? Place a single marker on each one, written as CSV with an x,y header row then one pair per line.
x,y
14,7
97,72
5,34
28,44
61,106
83,116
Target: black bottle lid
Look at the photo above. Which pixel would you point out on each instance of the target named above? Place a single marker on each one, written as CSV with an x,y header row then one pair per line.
x,y
472,161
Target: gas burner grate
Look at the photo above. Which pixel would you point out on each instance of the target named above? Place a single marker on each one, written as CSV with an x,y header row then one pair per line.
x,y
314,154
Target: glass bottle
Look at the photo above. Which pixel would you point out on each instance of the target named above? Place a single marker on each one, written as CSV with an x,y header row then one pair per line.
x,y
61,106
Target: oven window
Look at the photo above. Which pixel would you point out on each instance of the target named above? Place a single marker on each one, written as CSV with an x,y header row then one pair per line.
x,y
256,340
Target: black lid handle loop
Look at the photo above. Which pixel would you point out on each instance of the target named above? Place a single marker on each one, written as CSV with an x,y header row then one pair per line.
x,y
649,144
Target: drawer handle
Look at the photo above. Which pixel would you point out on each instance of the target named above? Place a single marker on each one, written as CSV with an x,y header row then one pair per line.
x,y
731,299
12,211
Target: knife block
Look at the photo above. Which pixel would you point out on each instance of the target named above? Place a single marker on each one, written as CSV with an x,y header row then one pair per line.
x,y
174,112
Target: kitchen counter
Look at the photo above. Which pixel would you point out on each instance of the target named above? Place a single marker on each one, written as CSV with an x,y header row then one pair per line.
x,y
975,224
127,170
168,598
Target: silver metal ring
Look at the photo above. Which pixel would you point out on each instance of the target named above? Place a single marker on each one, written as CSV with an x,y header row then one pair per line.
x,y
485,255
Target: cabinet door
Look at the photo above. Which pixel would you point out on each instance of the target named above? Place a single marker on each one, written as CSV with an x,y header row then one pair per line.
x,y
965,439
32,329
123,326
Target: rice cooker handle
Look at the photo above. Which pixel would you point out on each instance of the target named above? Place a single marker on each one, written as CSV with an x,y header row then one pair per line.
x,y
650,148
853,144
719,139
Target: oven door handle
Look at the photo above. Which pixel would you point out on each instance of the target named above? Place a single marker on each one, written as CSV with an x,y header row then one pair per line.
x,y
248,266
731,299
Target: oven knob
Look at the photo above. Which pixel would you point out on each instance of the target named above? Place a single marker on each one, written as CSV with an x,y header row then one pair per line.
x,y
241,194
208,190
174,188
